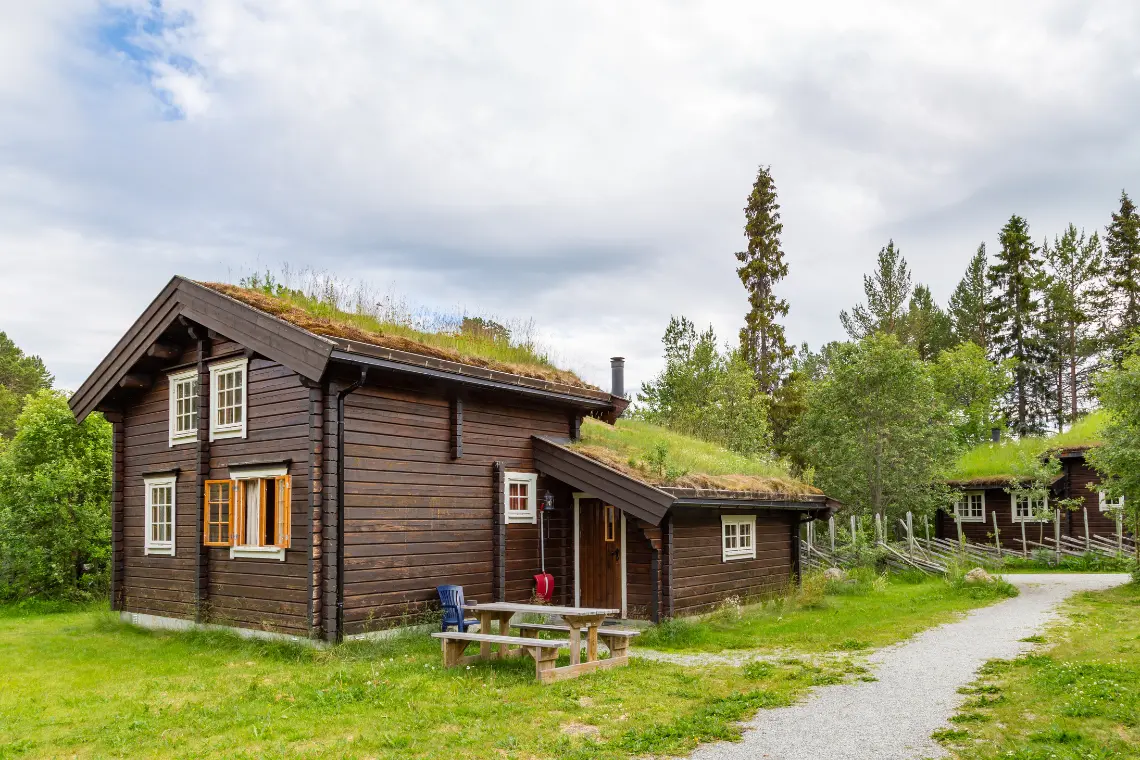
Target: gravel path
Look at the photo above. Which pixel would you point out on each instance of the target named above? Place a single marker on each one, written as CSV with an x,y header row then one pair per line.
x,y
916,691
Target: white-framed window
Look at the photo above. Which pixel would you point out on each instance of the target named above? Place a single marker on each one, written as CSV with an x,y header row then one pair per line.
x,y
183,406
160,515
228,413
971,506
1107,504
1026,509
738,537
520,498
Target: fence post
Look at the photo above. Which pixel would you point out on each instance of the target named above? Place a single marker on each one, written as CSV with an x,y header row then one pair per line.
x,y
926,526
997,533
1024,545
1120,532
854,532
910,532
1057,533
961,535
831,532
1088,539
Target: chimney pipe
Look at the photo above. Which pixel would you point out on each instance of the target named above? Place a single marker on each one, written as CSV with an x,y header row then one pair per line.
x,y
617,376
995,435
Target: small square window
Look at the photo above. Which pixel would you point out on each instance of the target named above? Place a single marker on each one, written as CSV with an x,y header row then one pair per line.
x,y
1027,509
228,382
971,506
611,524
520,499
737,537
183,407
160,516
1108,505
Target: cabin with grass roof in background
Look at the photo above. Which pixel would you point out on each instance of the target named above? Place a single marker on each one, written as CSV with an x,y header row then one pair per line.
x,y
287,468
983,477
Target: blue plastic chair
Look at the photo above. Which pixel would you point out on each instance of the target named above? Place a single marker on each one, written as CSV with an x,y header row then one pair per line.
x,y
451,600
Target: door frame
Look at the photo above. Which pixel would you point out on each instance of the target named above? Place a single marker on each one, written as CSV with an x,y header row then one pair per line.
x,y
578,495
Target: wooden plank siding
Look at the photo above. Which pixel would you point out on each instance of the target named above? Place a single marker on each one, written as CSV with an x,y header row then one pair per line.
x,y
267,595
701,579
416,517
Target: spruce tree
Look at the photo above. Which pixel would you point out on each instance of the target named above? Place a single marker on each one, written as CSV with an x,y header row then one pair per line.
x,y
886,290
1015,279
927,328
969,304
1122,264
1073,269
762,340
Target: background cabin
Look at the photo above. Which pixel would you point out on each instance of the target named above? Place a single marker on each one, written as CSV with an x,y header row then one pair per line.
x,y
279,472
982,498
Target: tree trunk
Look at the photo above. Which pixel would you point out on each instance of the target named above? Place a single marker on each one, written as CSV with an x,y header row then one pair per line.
x,y
1073,371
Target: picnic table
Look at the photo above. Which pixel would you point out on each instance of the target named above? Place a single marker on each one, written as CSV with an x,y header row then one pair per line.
x,y
496,645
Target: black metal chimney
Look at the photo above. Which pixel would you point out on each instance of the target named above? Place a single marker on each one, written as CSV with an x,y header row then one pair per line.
x,y
617,376
995,435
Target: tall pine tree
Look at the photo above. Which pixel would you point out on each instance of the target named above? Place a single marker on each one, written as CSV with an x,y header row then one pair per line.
x,y
1015,278
1122,265
1073,269
927,328
969,304
886,290
762,340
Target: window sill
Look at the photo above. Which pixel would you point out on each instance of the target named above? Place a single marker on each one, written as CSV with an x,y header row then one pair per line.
x,y
159,551
257,552
1028,520
216,435
522,519
182,439
972,519
734,557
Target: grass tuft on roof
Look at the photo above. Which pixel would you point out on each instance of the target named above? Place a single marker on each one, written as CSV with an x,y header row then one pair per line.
x,y
662,457
997,464
474,341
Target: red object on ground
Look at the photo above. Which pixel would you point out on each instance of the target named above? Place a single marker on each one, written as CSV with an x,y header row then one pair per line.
x,y
544,586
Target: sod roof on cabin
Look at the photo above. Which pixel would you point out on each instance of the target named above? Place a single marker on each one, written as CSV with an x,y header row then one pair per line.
x,y
488,352
677,462
991,465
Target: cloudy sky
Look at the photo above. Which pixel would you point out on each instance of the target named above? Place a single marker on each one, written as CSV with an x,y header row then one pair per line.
x,y
584,164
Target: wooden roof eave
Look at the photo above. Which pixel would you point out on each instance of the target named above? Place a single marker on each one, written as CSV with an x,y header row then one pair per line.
x,y
299,350
627,494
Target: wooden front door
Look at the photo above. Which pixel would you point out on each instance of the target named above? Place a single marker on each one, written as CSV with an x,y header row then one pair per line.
x,y
599,554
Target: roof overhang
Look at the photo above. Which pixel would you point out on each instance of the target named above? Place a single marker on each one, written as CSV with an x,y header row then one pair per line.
x,y
650,503
306,353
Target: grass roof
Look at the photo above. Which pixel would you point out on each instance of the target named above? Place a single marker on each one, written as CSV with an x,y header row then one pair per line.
x,y
477,342
997,464
663,457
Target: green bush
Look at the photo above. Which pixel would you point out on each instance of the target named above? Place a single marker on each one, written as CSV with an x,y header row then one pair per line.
x,y
55,482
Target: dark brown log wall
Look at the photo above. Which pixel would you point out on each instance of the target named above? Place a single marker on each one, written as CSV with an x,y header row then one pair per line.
x,y
416,517
701,579
246,593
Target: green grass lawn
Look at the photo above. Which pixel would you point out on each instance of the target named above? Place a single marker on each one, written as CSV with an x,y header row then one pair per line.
x,y
1078,698
869,611
81,684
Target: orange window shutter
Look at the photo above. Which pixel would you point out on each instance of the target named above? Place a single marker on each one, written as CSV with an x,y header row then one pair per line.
x,y
206,516
238,493
284,511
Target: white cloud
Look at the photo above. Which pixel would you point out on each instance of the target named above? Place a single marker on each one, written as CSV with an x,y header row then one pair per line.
x,y
584,164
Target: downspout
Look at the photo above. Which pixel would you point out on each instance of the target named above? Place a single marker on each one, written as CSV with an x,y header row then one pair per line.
x,y
340,499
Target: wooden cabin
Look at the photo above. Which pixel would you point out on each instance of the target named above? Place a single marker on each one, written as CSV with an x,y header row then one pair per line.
x,y
981,499
272,475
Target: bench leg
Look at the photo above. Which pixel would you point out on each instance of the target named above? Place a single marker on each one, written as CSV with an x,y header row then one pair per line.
x,y
575,645
453,652
544,659
618,645
592,643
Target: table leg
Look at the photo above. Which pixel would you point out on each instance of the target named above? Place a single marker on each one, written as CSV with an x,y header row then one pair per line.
x,y
484,627
592,642
575,644
504,630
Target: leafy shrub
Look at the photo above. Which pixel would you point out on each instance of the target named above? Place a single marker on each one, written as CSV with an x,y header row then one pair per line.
x,y
55,480
812,590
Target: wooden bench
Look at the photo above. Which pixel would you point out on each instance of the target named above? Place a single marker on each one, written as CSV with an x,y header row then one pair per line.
x,y
615,639
543,652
